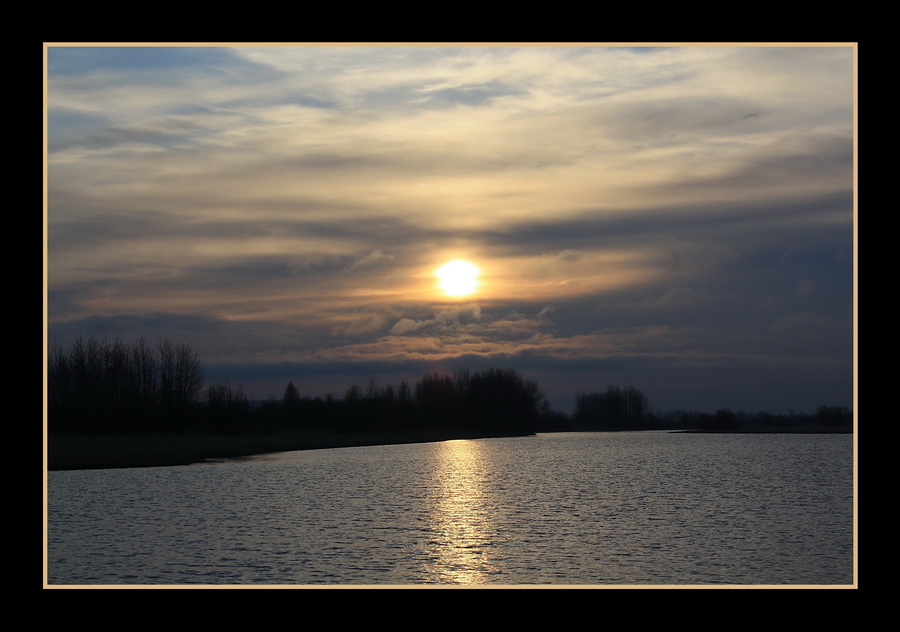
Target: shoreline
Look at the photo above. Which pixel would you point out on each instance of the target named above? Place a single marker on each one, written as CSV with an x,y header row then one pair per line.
x,y
87,452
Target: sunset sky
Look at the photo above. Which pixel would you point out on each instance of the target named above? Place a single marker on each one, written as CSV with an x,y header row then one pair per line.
x,y
676,218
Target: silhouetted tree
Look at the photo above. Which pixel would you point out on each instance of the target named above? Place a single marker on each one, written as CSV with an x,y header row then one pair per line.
x,y
492,399
723,419
613,408
180,375
502,399
227,407
291,394
101,386
833,416
436,400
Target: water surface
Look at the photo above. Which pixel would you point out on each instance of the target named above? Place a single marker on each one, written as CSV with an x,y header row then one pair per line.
x,y
571,508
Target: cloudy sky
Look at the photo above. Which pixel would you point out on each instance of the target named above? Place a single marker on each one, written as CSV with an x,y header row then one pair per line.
x,y
680,219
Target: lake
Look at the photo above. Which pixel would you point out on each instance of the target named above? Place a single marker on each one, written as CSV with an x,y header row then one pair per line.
x,y
603,509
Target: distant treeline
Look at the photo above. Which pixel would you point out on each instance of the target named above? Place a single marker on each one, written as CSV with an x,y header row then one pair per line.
x,y
100,386
97,386
116,387
825,417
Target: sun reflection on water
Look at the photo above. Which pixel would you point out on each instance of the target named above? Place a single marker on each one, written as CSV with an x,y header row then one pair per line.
x,y
460,552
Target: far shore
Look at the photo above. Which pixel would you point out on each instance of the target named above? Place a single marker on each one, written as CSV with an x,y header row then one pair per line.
x,y
89,452
807,429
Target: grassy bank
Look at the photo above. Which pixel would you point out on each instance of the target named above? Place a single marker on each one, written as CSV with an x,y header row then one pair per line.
x,y
81,452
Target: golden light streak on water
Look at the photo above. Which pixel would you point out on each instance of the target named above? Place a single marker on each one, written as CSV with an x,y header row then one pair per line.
x,y
465,533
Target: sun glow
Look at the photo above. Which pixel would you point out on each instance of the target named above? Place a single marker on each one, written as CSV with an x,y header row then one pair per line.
x,y
458,278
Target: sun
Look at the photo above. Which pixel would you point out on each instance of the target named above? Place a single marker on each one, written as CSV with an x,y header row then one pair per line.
x,y
458,278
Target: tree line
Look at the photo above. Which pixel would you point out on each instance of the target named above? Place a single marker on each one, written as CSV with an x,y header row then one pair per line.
x,y
493,401
97,386
825,418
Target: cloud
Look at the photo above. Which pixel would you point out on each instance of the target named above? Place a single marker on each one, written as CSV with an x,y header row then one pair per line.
x,y
371,259
287,206
443,319
365,324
